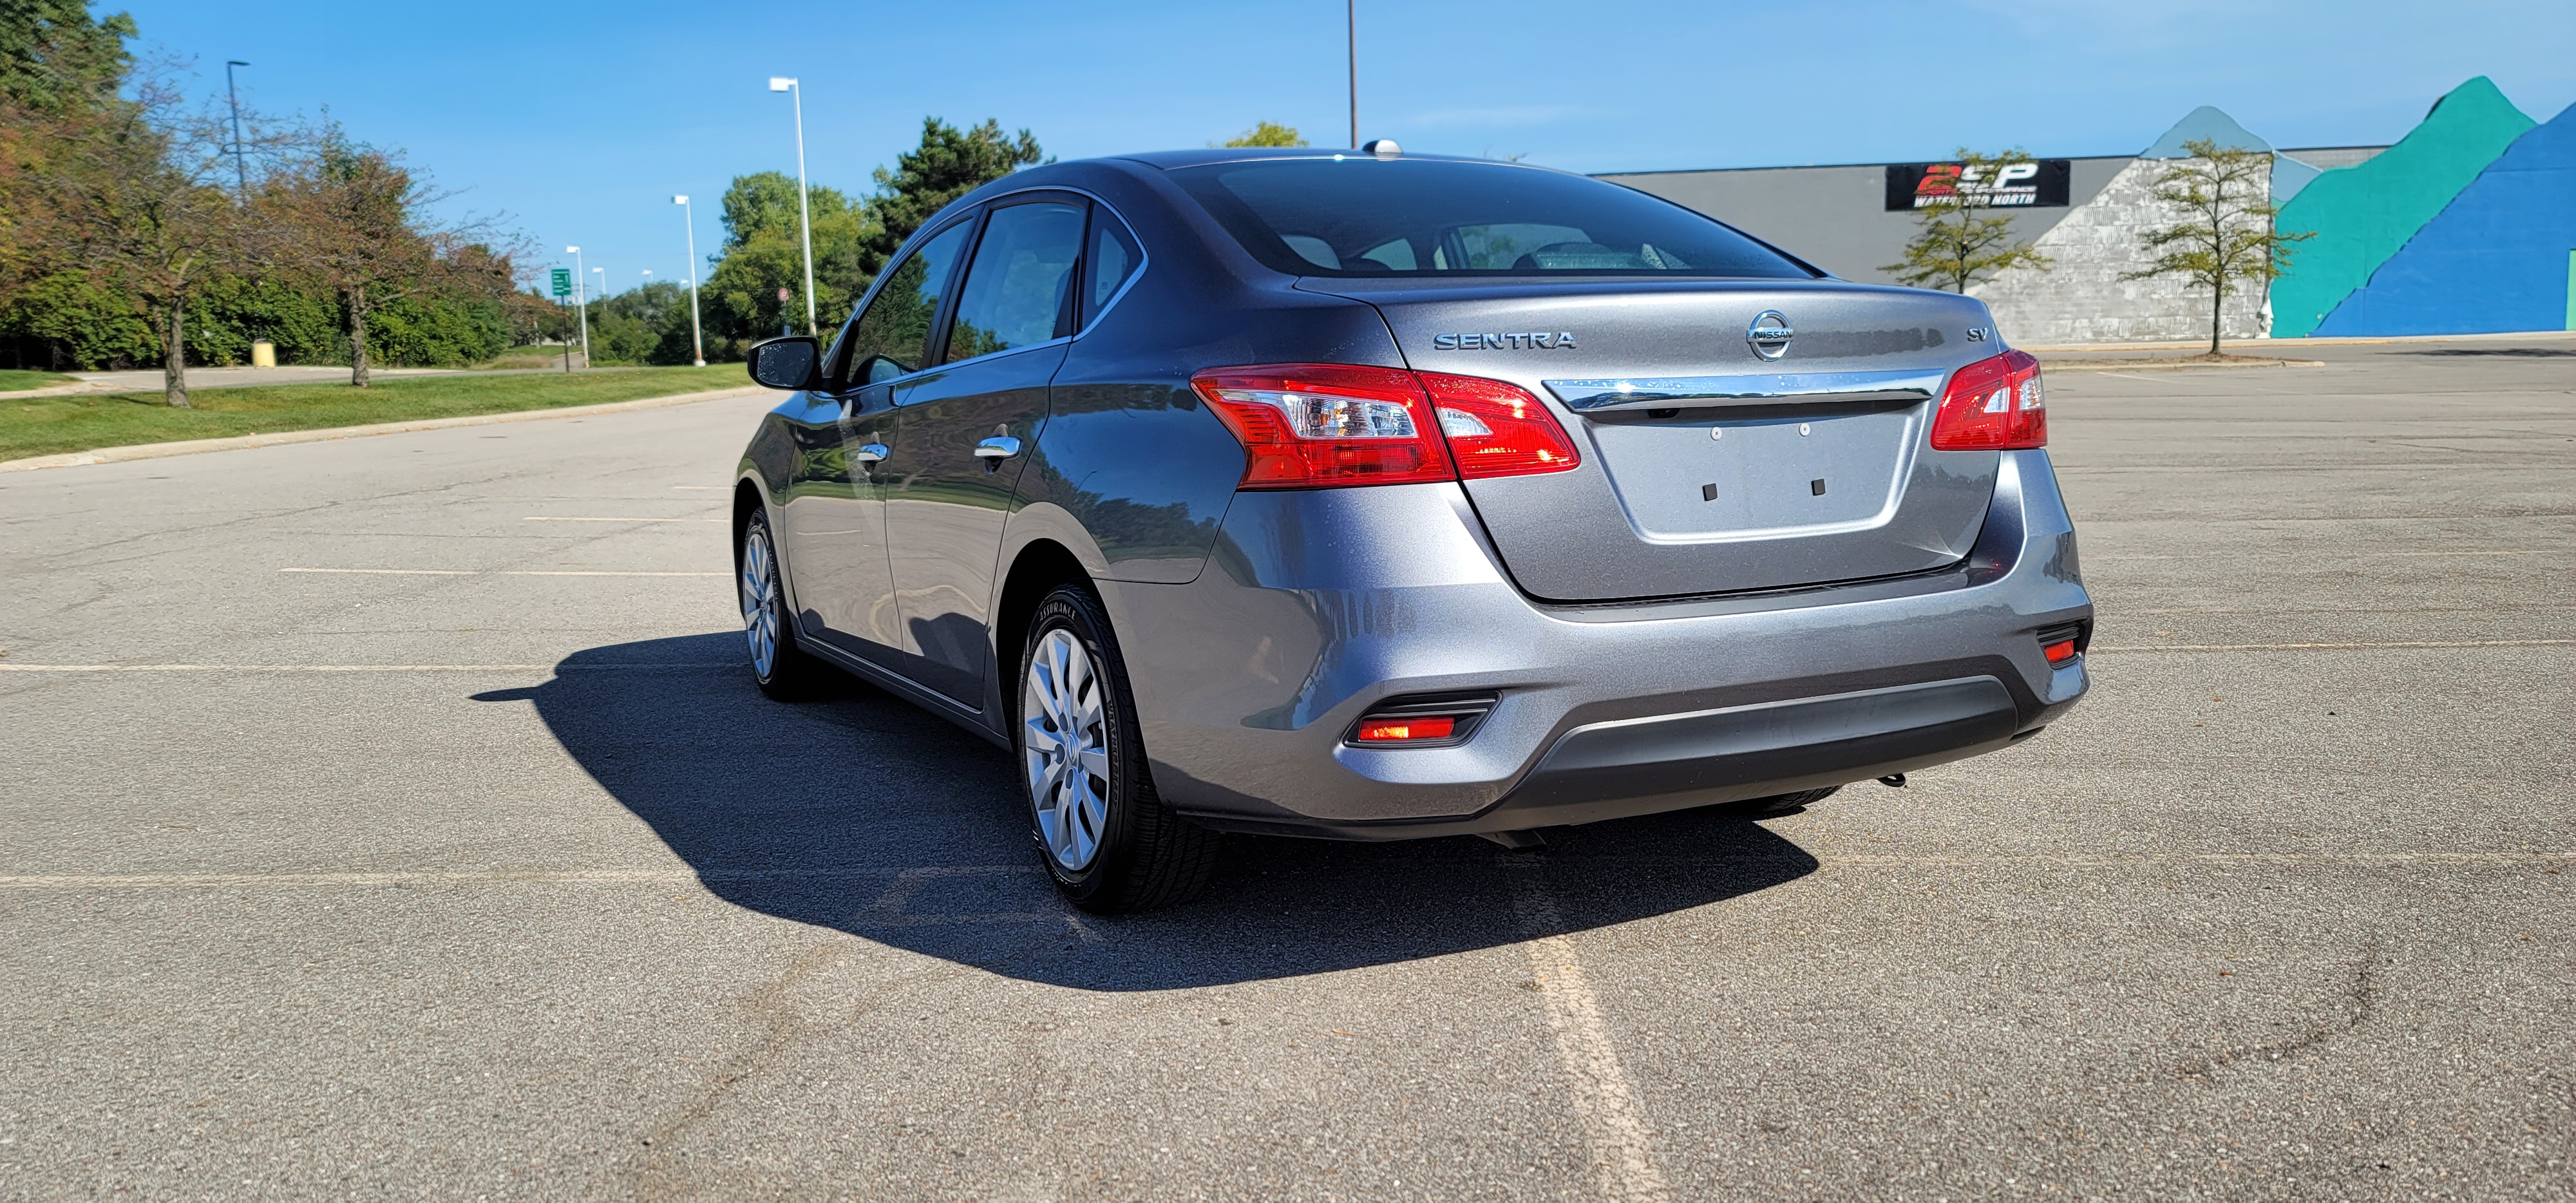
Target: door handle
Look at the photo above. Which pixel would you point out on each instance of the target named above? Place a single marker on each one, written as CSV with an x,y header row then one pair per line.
x,y
997,448
869,453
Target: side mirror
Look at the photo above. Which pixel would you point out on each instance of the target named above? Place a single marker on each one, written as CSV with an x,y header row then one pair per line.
x,y
787,363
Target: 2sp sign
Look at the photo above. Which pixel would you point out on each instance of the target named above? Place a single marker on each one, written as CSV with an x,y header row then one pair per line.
x,y
2032,184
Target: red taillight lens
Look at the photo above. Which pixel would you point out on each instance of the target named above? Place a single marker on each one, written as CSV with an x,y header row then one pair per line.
x,y
1321,425
1497,429
1309,425
2059,652
1400,730
1993,404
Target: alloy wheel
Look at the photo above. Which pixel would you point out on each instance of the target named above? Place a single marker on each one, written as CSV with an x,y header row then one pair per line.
x,y
759,602
1064,741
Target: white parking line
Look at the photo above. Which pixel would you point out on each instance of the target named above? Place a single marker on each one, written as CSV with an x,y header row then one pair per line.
x,y
392,571
2299,647
491,572
1614,1125
1537,915
353,668
534,518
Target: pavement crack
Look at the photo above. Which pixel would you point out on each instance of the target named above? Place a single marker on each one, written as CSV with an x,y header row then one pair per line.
x,y
2355,1004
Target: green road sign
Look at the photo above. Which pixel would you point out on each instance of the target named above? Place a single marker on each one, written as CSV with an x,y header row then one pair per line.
x,y
563,281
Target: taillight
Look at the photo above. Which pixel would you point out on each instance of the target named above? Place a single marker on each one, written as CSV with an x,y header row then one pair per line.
x,y
1313,425
1993,404
1497,429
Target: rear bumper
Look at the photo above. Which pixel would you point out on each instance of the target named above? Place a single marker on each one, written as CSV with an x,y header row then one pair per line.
x,y
1318,605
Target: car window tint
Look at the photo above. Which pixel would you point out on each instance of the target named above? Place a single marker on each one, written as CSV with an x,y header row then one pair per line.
x,y
897,323
1113,258
1015,288
1353,216
1396,255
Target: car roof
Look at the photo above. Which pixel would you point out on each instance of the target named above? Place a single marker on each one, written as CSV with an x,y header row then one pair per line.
x,y
1168,160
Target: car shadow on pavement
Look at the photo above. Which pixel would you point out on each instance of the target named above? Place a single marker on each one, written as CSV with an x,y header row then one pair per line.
x,y
863,813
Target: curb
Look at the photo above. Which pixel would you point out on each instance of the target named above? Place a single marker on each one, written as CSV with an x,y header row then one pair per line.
x,y
2162,365
117,455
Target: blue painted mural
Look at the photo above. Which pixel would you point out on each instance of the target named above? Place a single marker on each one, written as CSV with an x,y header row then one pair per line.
x,y
2496,259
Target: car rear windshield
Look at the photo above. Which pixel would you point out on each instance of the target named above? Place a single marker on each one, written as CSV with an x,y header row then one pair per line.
x,y
1362,216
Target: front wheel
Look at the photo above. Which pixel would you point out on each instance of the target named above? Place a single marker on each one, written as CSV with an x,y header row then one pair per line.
x,y
783,669
1104,835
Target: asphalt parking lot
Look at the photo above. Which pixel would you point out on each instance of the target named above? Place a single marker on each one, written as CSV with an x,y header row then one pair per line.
x,y
391,818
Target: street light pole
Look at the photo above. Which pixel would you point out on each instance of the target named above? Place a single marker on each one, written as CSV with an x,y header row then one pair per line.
x,y
1351,16
241,172
688,219
804,211
581,298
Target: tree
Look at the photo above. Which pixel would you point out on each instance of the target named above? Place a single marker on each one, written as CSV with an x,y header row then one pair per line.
x,y
352,220
1953,247
128,195
53,56
948,164
2224,230
1267,133
762,254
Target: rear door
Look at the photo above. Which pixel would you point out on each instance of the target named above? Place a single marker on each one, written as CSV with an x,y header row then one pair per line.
x,y
965,429
1713,461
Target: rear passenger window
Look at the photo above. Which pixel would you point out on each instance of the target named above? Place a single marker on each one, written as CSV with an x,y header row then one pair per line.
x,y
1114,258
1015,289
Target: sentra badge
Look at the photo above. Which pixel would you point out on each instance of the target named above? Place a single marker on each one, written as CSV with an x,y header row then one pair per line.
x,y
1562,340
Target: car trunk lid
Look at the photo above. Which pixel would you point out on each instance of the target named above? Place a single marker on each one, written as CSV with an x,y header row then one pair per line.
x,y
1711,464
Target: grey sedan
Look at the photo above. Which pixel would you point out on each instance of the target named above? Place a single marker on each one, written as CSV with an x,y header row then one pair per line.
x,y
1374,496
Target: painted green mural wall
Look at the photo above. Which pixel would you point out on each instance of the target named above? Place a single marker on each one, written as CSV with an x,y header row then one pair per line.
x,y
2362,214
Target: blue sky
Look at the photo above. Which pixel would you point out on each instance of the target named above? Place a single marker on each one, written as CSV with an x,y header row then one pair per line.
x,y
580,120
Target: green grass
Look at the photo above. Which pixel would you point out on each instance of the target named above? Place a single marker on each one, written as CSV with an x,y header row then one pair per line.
x,y
13,381
48,425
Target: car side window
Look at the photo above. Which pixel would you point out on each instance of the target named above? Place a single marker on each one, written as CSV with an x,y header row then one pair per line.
x,y
1114,257
1015,289
893,336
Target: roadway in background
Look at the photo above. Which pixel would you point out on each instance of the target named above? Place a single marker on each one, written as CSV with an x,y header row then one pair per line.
x,y
475,865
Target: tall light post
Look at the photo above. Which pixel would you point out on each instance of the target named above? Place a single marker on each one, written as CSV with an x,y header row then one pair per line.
x,y
804,212
602,273
581,299
1351,18
689,222
241,171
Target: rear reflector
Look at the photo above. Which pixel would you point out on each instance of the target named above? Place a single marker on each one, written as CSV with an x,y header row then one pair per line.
x,y
2062,644
1422,720
1317,425
1404,730
1993,404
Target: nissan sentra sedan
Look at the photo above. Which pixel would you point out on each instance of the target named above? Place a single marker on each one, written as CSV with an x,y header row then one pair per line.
x,y
1376,496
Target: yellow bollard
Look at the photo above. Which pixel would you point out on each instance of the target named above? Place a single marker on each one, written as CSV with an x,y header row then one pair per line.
x,y
263,354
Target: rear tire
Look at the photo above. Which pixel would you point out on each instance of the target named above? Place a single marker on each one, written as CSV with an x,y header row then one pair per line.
x,y
783,669
1109,841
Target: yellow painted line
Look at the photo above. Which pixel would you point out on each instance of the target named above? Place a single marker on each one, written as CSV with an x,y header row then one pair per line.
x,y
2301,647
1619,1144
